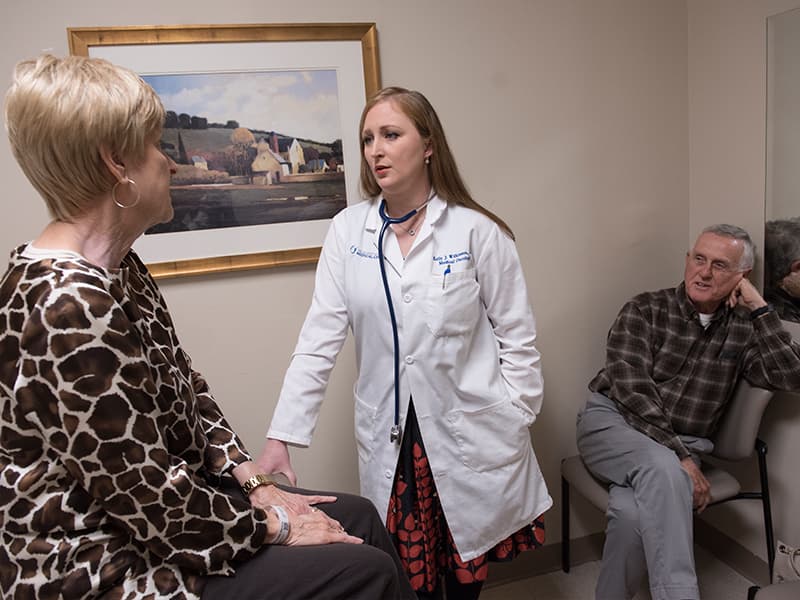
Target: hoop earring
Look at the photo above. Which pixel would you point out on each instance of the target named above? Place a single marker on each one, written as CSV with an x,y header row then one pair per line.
x,y
114,194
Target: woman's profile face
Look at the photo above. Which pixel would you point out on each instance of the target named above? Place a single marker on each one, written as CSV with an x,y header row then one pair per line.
x,y
152,177
394,149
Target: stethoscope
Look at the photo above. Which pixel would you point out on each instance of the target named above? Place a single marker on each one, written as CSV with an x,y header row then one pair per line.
x,y
394,433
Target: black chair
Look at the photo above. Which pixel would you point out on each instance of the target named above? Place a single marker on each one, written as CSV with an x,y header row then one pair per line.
x,y
735,440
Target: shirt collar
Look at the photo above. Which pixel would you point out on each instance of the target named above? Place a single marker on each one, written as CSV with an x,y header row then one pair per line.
x,y
688,309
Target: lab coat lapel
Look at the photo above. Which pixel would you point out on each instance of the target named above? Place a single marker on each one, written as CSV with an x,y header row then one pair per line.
x,y
434,211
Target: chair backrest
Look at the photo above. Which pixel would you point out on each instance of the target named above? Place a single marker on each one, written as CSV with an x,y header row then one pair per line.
x,y
794,328
736,436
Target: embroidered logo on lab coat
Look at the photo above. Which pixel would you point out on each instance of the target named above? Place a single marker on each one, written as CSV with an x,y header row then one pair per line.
x,y
363,253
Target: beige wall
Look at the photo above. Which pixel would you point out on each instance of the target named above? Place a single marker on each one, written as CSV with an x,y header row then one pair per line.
x,y
727,128
602,180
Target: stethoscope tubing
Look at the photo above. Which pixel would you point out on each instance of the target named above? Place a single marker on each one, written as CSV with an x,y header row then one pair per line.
x,y
394,435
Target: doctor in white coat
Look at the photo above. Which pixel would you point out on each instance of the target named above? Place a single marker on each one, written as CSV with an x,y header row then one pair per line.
x,y
460,484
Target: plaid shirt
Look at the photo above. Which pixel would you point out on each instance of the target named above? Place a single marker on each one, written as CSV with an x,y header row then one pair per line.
x,y
668,375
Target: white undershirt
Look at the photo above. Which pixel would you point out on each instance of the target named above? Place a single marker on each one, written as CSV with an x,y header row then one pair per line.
x,y
32,251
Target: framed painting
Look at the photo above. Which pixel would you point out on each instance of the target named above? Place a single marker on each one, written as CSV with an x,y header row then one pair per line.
x,y
262,123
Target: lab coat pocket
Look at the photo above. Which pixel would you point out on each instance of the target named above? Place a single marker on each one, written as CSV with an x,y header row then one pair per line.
x,y
491,437
366,426
452,303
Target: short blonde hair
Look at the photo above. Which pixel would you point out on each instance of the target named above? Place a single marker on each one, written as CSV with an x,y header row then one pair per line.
x,y
61,111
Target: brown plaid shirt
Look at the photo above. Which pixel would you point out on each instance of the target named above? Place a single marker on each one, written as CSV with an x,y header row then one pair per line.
x,y
668,375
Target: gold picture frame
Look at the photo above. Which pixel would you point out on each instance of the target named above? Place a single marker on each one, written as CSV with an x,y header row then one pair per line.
x,y
319,45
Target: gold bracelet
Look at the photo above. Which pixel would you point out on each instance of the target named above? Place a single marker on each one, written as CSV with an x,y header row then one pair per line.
x,y
256,481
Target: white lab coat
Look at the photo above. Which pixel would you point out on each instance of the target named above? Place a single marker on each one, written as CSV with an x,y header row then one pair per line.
x,y
467,358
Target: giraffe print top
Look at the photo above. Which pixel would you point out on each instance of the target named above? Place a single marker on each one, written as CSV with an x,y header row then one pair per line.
x,y
109,441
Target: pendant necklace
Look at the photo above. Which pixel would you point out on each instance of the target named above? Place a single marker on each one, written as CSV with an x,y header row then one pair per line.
x,y
412,231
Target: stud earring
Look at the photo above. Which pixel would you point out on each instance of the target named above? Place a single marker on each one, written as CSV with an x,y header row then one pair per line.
x,y
427,160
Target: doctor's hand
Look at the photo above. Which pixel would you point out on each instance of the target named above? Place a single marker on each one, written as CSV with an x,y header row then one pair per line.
x,y
702,489
275,459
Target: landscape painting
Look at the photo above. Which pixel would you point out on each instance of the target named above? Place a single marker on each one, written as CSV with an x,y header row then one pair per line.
x,y
262,123
252,148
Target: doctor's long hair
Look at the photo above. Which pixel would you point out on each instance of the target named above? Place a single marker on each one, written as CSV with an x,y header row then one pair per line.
x,y
442,170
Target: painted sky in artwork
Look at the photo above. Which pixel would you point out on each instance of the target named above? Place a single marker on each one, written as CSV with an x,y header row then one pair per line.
x,y
302,104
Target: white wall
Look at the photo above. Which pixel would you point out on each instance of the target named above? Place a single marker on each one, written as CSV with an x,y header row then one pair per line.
x,y
727,127
586,98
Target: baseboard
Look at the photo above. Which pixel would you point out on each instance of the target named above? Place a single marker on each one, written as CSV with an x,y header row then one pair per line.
x,y
731,552
545,560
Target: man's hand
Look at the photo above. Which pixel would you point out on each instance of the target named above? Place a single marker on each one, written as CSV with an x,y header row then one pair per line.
x,y
702,489
746,294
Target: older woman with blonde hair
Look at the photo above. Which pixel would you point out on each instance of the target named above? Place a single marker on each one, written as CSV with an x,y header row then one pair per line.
x,y
119,475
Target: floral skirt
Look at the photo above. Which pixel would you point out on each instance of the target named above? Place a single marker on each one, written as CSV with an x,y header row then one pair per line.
x,y
418,528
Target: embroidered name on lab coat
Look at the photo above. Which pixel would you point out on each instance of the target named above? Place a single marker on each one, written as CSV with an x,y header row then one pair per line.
x,y
451,259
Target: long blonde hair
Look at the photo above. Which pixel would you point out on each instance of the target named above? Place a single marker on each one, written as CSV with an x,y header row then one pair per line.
x,y
442,170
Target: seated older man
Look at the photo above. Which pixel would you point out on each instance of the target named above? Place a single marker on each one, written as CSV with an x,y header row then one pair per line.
x,y
673,358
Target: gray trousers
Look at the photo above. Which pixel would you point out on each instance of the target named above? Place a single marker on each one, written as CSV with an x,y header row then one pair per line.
x,y
649,530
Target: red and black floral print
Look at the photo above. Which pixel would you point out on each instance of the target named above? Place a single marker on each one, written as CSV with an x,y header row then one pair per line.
x,y
417,525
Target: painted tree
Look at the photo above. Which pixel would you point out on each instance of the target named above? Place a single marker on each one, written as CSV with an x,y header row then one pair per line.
x,y
242,151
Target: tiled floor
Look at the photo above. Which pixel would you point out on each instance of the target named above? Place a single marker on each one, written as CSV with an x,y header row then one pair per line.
x,y
717,582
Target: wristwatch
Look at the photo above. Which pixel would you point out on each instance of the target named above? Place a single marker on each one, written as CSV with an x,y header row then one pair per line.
x,y
761,310
256,481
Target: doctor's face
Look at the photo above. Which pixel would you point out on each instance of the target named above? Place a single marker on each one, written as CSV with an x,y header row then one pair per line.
x,y
394,150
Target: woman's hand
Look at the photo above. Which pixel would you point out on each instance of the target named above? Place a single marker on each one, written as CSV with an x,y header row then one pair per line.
x,y
265,496
316,528
275,459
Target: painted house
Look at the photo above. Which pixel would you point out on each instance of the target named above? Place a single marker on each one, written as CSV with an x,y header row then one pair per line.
x,y
296,156
269,163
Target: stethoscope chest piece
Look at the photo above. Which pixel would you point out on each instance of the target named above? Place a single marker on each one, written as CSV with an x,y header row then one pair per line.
x,y
394,434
